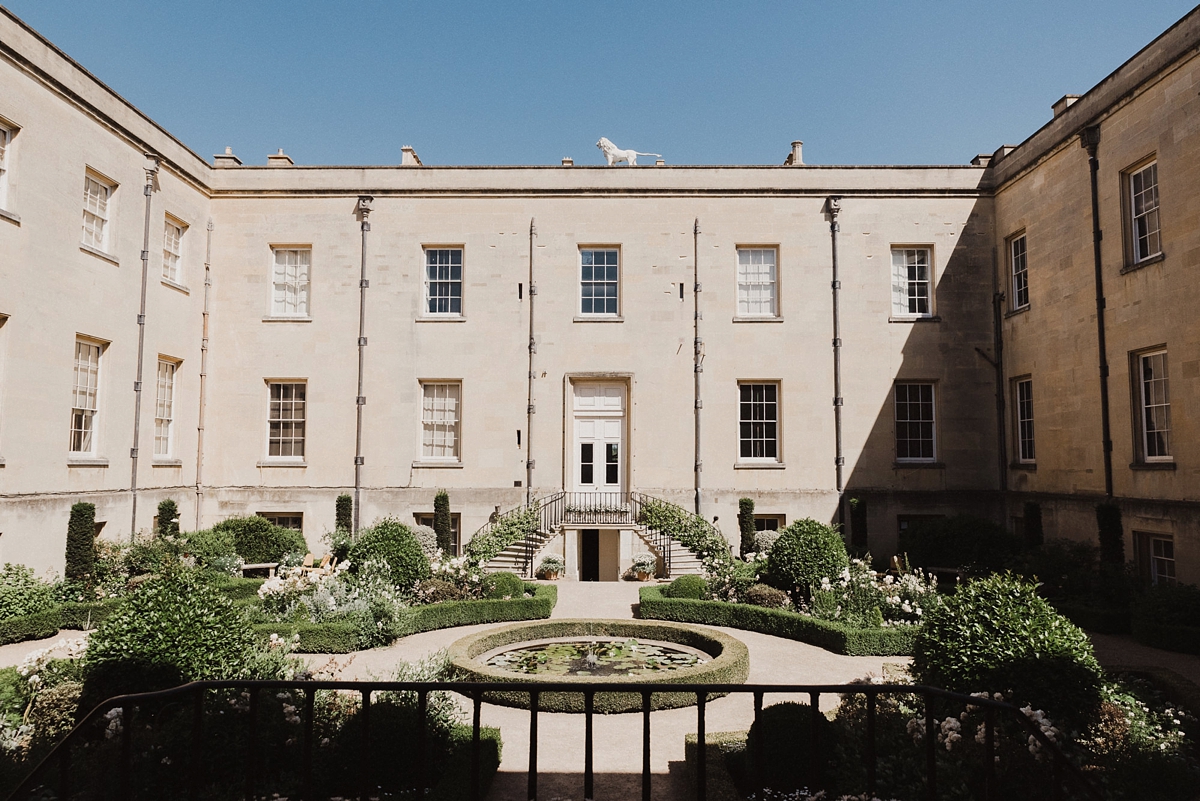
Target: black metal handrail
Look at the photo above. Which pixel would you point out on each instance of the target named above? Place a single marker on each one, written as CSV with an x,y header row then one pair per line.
x,y
1063,769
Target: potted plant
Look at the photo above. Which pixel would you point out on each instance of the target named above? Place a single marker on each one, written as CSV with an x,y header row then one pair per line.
x,y
552,565
644,564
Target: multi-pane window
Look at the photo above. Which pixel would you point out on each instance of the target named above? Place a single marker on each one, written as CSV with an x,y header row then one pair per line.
x,y
5,141
598,282
443,281
1162,560
286,417
1143,195
290,277
164,407
758,421
915,433
426,519
1020,274
95,212
756,282
84,396
1155,401
912,284
439,421
1024,407
172,249
292,520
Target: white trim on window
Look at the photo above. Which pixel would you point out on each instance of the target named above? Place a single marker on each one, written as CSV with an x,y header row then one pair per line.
x,y
1143,206
85,393
916,422
443,282
758,421
599,282
441,421
1018,261
6,137
1154,402
97,192
912,282
757,282
164,407
173,231
287,420
291,278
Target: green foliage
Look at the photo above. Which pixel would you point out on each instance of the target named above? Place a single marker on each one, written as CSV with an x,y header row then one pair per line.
x,y
514,526
551,563
806,552
830,635
22,592
502,585
81,543
435,591
766,596
393,543
168,519
343,512
211,546
37,626
687,587
746,525
86,616
781,740
692,531
335,637
1032,517
963,541
151,554
442,523
258,540
996,635
340,540
1111,534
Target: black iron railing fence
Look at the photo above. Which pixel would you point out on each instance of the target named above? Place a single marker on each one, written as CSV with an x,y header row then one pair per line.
x,y
54,777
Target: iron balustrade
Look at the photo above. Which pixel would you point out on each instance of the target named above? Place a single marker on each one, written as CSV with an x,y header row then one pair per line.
x,y
69,786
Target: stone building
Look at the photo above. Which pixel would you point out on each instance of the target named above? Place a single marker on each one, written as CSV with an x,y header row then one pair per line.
x,y
683,327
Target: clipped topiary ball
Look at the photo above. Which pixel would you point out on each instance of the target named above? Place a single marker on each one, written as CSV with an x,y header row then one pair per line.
x,y
805,553
996,634
694,587
769,597
502,585
392,542
258,540
783,735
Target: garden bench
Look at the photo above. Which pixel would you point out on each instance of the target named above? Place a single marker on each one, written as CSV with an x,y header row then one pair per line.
x,y
268,567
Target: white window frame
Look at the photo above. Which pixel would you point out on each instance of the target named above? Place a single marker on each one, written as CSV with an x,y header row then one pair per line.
x,y
164,407
441,421
1145,225
760,423
291,281
906,420
1023,409
285,409
757,289
85,397
1154,400
438,282
1162,560
172,265
1018,262
906,290
6,140
97,199
592,283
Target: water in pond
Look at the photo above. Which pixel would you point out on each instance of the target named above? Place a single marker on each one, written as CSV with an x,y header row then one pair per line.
x,y
596,658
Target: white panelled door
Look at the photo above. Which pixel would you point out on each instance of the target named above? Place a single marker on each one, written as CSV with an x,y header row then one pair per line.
x,y
599,438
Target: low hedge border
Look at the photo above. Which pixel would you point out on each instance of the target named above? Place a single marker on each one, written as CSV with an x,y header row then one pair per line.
x,y
455,784
85,617
342,637
1094,618
730,663
41,625
1167,636
836,637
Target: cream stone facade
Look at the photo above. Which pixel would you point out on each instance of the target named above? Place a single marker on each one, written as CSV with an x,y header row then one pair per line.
x,y
254,309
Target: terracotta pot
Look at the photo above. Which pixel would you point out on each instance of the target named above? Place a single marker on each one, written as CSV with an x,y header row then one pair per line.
x,y
643,576
552,576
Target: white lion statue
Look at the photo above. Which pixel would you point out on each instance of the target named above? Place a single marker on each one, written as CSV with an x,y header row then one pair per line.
x,y
614,154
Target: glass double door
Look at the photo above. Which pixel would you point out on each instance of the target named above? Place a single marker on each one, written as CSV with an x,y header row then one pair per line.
x,y
599,457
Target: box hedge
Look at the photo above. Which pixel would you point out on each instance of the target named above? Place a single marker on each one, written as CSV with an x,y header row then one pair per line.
x,y
30,627
85,616
832,636
1102,620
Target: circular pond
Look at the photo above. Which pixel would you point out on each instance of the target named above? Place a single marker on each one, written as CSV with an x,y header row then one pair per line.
x,y
609,651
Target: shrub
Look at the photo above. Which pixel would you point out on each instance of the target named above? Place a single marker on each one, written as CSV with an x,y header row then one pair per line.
x,y
766,596
963,541
1032,517
393,543
645,562
427,539
693,532
435,591
746,526
551,563
507,529
996,635
210,546
1111,534
22,592
694,587
781,741
442,522
805,553
81,542
168,519
502,585
343,513
765,540
258,540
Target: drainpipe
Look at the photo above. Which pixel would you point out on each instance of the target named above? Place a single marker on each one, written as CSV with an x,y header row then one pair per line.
x,y
998,349
529,407
151,168
1089,139
203,373
834,205
698,358
364,209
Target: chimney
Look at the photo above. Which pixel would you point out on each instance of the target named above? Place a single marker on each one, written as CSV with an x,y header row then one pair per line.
x,y
982,160
796,157
660,163
1063,103
409,157
279,159
226,159
568,161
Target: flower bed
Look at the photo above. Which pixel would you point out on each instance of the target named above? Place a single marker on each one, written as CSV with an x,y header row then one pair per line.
x,y
830,635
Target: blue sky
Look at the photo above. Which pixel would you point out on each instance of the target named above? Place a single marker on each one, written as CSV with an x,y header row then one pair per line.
x,y
529,82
